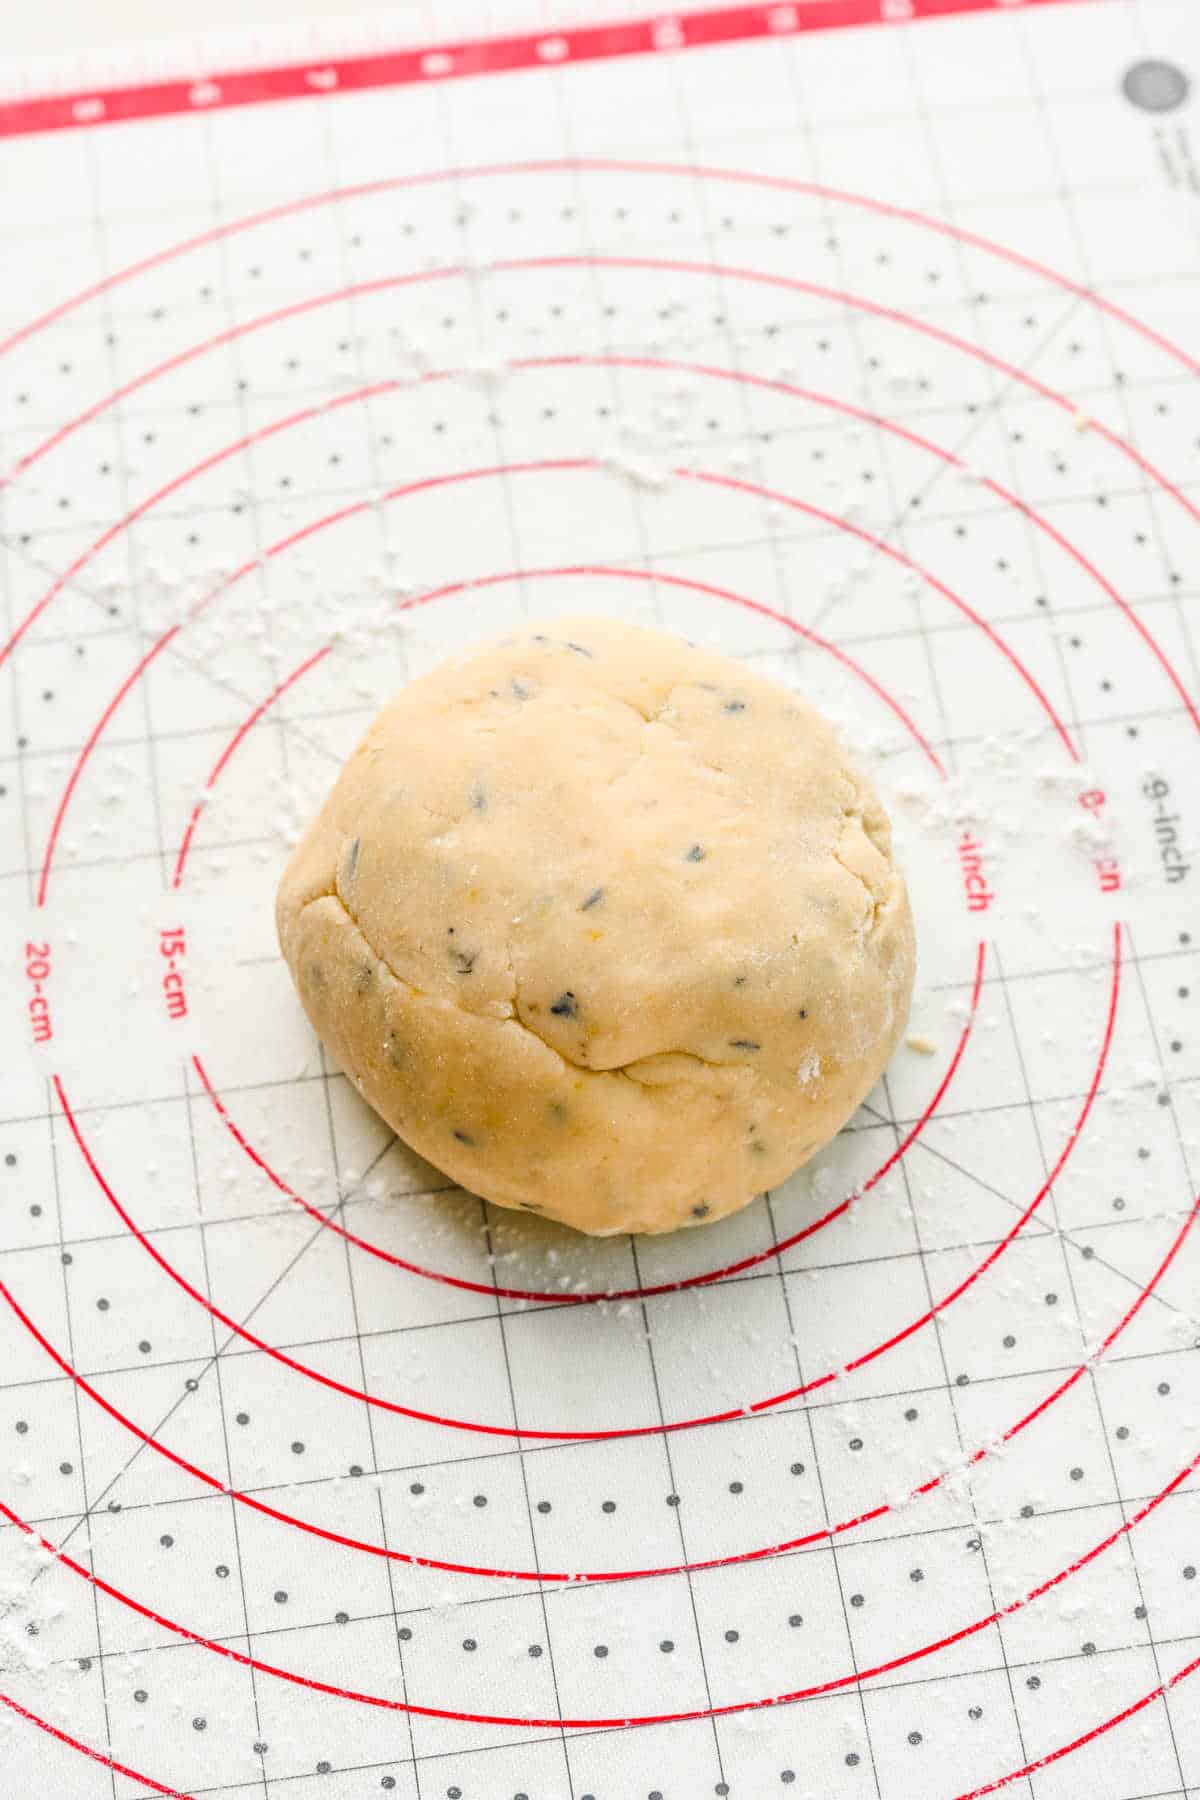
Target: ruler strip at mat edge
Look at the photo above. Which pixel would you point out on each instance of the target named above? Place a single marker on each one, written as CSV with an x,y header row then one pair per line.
x,y
87,108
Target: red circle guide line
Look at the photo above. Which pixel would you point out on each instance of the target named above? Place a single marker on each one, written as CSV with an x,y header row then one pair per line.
x,y
507,470
497,579
832,1685
883,548
688,172
239,735
389,283
741,378
97,1756
649,1291
1086,1737
763,1553
528,1434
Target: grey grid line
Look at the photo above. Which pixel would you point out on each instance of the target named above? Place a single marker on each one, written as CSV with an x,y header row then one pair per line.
x,y
278,724
525,1309
65,225
904,410
950,1393
1067,201
518,1590
245,1634
19,542
731,349
777,1273
389,1566
1018,1663
463,234
768,1273
616,381
88,1502
1093,1384
128,550
947,627
1025,736
182,1396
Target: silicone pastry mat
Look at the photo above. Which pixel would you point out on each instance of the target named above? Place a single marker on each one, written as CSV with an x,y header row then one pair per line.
x,y
864,347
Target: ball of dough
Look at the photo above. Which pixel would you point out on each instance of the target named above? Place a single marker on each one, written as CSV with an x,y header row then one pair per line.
x,y
604,925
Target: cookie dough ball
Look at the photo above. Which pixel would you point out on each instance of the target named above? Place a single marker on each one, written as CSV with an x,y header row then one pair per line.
x,y
603,925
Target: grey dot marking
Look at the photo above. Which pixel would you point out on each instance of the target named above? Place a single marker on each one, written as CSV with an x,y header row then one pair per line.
x,y
1189,1573
260,1749
535,1650
297,1448
1077,1474
787,1776
600,1650
914,1737
223,1571
417,1487
731,1637
856,1599
543,1506
404,1633
324,1768
853,1760
166,1542
795,1619
480,1500
141,1696
280,1597
666,1646
1155,86
341,1618
1034,1682
243,1418
856,1443
609,1506
470,1644
735,1487
388,1782
199,1724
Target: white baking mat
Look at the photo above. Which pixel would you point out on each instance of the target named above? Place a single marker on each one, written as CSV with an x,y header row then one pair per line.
x,y
868,355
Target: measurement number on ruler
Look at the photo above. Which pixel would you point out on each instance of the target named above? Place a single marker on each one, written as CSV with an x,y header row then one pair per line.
x,y
173,946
